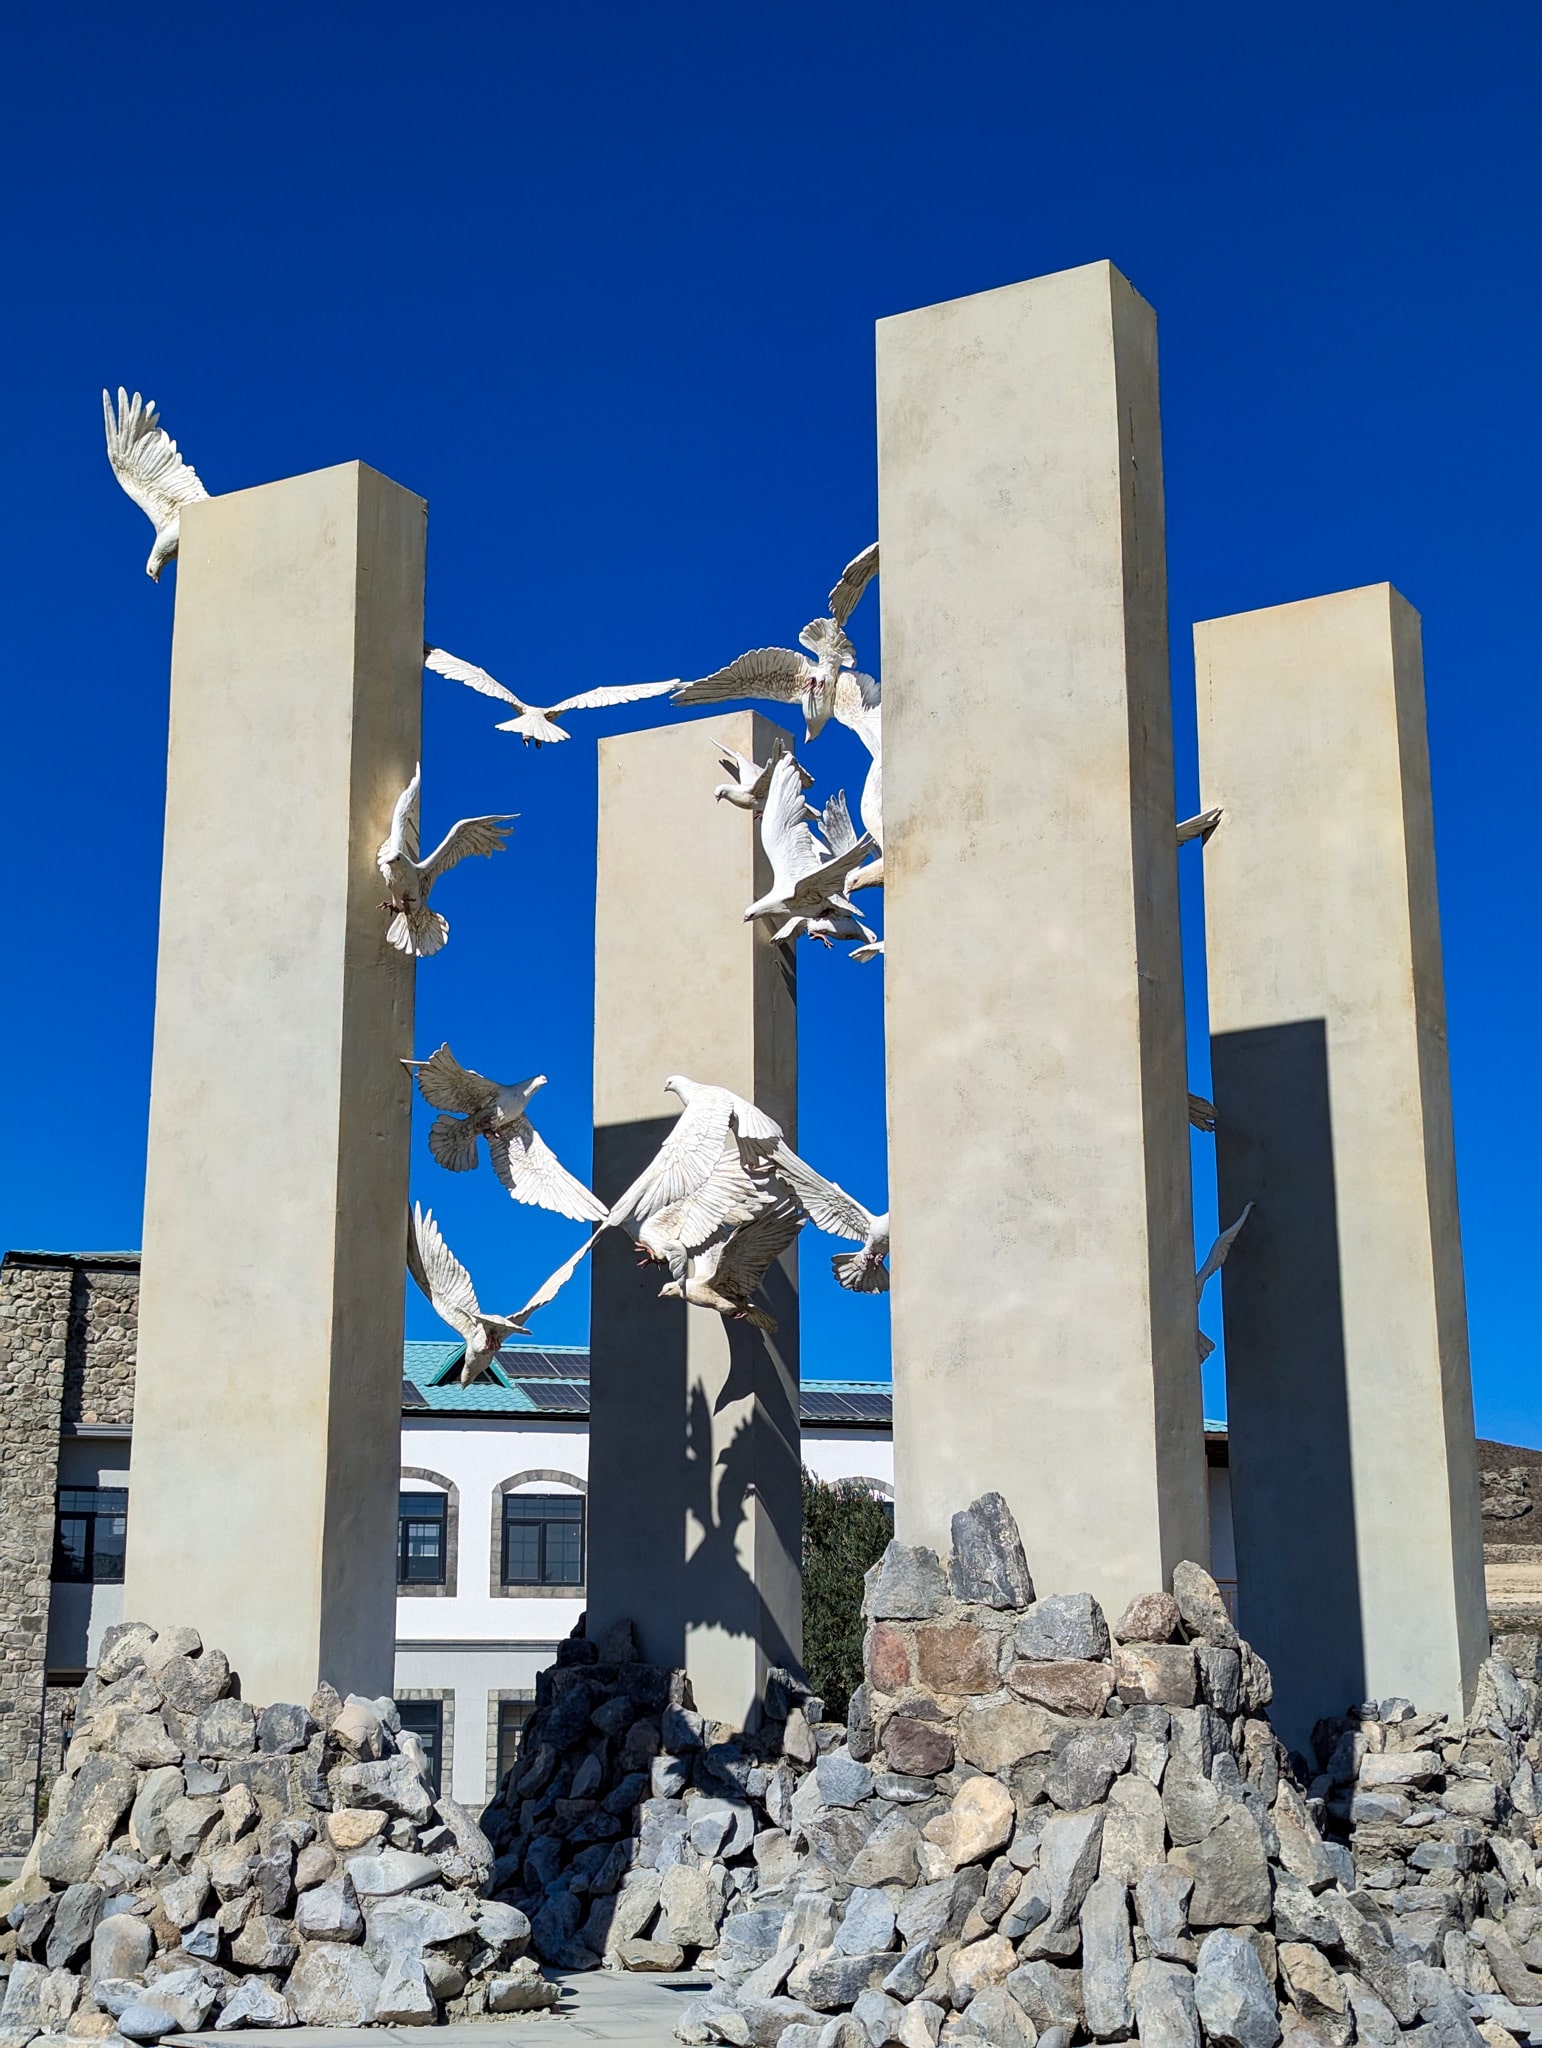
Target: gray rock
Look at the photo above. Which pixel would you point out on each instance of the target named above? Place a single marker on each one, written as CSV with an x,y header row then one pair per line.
x,y
692,1910
1449,2026
333,1986
1088,1764
408,1926
391,1786
909,1976
142,1738
1231,1991
1220,1678
74,1920
121,1946
1230,1872
906,1584
144,2022
936,1912
867,1925
828,1982
1063,1625
123,1650
1191,1805
727,1827
83,1817
1107,1958
1069,1849
404,1999
669,1776
227,1728
1029,1910
748,1940
191,1683
841,1780
283,1729
1051,1997
185,1993
1298,1916
988,1564
390,1871
1162,1906
255,2004
504,1930
21,2012
1204,1611
329,1912
1134,1829
183,1900
185,1823
1165,2012
521,1988
202,1939
264,1943
889,1854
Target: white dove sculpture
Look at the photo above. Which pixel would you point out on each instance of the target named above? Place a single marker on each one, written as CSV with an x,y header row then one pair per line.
x,y
1201,1112
145,461
704,1176
1200,826
536,723
808,883
414,928
724,1274
448,1286
831,1209
859,706
476,1108
1214,1260
786,676
747,791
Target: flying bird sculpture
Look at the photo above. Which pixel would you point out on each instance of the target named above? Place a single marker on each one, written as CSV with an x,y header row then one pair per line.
x,y
725,1274
809,883
859,706
1199,827
1214,1260
414,928
476,1108
831,1209
747,791
784,675
704,1176
448,1286
841,838
1201,1112
145,461
536,724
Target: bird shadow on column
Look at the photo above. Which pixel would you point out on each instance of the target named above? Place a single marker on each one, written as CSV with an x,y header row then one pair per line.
x,y
1287,1394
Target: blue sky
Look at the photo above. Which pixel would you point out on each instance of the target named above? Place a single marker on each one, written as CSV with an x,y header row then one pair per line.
x,y
600,282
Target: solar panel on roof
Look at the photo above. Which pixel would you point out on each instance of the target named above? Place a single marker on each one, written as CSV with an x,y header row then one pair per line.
x,y
829,1404
558,1397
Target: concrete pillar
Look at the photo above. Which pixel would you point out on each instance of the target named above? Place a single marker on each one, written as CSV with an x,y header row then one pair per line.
x,y
1043,1295
1354,1475
694,1502
262,1502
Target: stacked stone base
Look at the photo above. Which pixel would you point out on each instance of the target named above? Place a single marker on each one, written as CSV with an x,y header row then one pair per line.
x,y
205,1863
1033,1828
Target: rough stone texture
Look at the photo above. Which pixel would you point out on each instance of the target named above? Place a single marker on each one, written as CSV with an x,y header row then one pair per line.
x,y
35,1302
1065,1625
1149,1618
988,1564
1235,2002
332,1986
1107,1959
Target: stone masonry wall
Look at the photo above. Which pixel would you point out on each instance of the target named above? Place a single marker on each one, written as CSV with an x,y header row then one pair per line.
x,y
34,1326
103,1335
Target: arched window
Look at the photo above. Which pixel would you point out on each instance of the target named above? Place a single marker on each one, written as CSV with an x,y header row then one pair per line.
x,y
427,1535
540,1537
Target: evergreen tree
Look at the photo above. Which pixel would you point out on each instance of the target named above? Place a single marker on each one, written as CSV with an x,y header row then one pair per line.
x,y
845,1530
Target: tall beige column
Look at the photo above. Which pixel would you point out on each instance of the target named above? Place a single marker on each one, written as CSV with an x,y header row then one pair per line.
x,y
267,1415
694,1503
1354,1475
1043,1297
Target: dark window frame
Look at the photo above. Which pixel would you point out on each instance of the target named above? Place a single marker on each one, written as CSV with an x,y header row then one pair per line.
x,y
425,1719
406,1521
560,1517
90,1562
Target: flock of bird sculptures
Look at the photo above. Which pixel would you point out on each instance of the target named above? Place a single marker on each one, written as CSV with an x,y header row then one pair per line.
x,y
725,1195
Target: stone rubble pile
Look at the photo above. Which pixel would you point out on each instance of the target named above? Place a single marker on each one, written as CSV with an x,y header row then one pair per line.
x,y
204,1862
1033,1828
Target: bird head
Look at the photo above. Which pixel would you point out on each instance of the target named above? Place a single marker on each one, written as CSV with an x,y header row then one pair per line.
x,y
163,552
671,1291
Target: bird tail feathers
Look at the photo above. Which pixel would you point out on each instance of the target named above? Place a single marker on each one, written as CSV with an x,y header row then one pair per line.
x,y
533,725
860,1274
453,1142
759,1318
418,931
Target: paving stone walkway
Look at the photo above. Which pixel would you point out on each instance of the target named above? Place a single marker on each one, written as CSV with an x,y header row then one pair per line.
x,y
599,2005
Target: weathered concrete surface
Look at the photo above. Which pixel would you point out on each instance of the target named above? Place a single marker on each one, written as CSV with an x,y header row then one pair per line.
x,y
267,1413
693,1439
1353,1471
1043,1303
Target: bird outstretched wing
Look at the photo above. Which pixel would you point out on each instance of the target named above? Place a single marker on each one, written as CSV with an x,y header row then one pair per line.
x,y
840,834
746,1258
533,1173
612,693
1215,1258
830,1208
550,1288
1201,1112
467,837
855,578
775,672
441,1275
446,1084
468,673
145,461
684,1161
401,842
784,828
